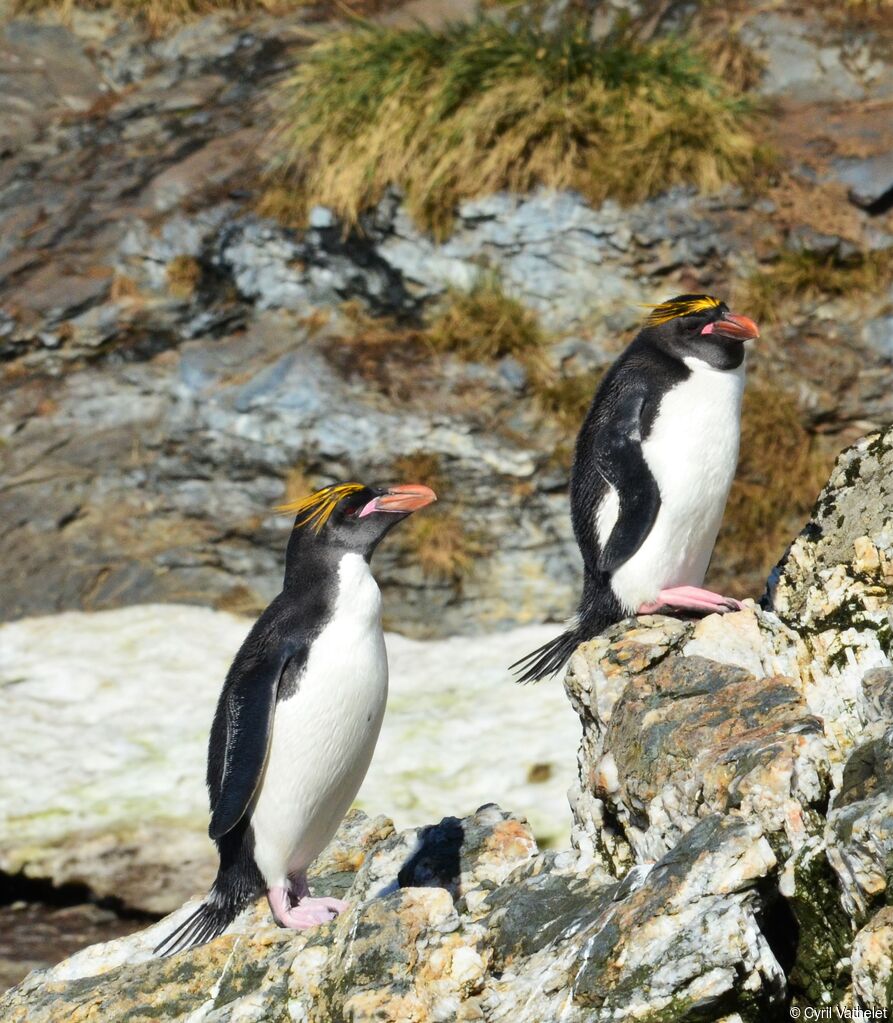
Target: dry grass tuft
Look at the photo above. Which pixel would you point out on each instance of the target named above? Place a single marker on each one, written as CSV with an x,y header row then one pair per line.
x,y
566,400
183,274
781,470
733,61
440,543
475,108
157,15
480,325
811,276
485,324
421,467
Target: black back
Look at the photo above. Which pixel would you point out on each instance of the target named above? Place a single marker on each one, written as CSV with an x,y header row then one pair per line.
x,y
621,416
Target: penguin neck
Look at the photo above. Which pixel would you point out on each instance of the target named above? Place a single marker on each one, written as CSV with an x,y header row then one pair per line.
x,y
311,557
723,355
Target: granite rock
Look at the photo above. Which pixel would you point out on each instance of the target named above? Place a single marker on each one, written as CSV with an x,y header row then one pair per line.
x,y
463,922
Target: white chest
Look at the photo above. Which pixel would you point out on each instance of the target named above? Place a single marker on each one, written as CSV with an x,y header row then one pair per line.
x,y
692,452
325,733
692,449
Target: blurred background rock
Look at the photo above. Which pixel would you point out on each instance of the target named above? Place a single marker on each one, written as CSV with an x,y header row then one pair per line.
x,y
249,249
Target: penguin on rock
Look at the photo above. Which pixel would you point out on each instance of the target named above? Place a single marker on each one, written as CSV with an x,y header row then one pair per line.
x,y
653,464
299,714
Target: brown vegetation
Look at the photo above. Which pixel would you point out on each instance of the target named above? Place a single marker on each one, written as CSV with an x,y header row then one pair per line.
x,y
781,470
442,545
420,467
183,274
158,15
485,324
500,104
566,400
799,275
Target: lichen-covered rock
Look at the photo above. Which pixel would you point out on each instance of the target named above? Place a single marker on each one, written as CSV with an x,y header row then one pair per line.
x,y
459,921
685,939
770,715
834,588
681,720
692,737
859,833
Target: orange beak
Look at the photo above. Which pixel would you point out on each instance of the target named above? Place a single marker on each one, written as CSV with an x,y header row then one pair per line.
x,y
404,499
739,328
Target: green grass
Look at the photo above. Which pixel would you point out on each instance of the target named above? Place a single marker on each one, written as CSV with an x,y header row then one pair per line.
x,y
475,108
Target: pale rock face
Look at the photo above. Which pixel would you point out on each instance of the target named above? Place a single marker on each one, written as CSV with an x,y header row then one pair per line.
x,y
834,586
121,702
873,961
780,716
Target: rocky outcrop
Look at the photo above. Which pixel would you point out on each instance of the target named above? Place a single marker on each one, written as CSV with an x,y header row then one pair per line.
x,y
780,716
462,920
733,830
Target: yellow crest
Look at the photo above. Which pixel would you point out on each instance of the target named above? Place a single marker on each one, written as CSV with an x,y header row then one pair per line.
x,y
317,508
681,306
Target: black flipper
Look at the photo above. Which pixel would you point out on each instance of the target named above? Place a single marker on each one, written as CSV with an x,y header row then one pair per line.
x,y
609,456
240,735
639,498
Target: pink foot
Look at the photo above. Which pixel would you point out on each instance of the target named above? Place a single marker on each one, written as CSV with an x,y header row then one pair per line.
x,y
690,598
307,913
334,906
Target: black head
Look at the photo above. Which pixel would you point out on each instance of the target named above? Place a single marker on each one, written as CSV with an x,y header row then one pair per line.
x,y
699,327
351,517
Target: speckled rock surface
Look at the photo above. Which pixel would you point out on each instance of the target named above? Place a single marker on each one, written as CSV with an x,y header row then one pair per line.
x,y
779,716
834,587
859,833
873,961
459,921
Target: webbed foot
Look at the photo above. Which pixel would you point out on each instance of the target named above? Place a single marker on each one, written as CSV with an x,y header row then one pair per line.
x,y
690,598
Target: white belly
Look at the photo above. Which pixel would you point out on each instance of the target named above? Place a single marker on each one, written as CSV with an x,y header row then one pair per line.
x,y
692,452
324,735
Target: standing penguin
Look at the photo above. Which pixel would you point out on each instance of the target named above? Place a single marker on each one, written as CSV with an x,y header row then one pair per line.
x,y
300,712
652,469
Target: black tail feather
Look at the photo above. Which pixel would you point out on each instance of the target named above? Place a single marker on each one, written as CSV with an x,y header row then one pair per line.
x,y
549,658
598,609
211,919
